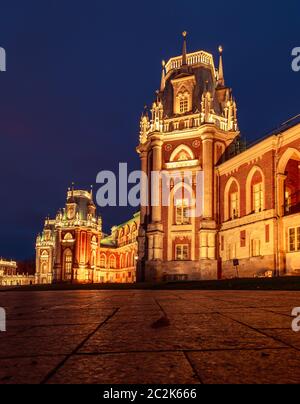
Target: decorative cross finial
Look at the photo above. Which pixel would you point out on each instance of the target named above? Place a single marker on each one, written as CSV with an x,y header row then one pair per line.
x,y
184,61
221,80
163,76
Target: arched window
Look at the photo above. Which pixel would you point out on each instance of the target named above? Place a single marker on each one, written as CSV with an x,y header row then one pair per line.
x,y
183,204
112,262
288,182
255,191
232,200
44,262
102,261
182,153
93,259
44,268
183,101
234,204
182,211
68,264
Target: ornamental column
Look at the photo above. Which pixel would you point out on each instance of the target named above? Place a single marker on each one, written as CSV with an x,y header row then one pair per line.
x,y
144,186
155,180
208,230
208,170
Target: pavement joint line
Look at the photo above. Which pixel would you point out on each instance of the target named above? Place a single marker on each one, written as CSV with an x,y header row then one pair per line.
x,y
61,364
78,354
282,348
182,350
260,331
196,373
160,306
275,312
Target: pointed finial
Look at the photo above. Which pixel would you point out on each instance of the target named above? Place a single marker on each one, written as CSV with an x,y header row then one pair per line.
x,y
221,81
163,76
184,60
91,191
157,96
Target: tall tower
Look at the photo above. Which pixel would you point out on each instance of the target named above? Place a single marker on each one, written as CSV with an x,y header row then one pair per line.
x,y
45,254
68,249
193,122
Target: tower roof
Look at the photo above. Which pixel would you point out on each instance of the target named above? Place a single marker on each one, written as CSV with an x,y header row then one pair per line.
x,y
194,59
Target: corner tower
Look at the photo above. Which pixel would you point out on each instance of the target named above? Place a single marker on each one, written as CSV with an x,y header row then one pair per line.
x,y
192,125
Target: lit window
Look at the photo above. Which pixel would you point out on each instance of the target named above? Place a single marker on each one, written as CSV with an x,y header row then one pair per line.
x,y
102,261
294,239
44,268
182,211
255,248
288,200
182,252
68,265
258,197
234,201
112,262
183,105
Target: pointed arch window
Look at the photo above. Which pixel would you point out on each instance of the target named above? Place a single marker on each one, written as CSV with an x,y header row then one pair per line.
x,y
234,205
232,199
102,261
112,262
182,211
258,197
68,264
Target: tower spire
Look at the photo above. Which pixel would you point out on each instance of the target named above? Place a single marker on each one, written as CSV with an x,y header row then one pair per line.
x,y
221,81
163,76
184,60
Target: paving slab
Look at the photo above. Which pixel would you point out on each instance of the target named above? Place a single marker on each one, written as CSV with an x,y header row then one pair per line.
x,y
133,368
248,366
144,336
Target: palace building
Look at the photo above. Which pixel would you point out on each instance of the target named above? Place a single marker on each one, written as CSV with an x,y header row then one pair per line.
x,y
250,197
72,247
9,275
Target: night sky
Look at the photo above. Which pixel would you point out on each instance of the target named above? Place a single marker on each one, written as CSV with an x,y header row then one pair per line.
x,y
80,72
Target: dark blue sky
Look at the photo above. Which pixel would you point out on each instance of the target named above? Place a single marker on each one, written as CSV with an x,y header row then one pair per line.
x,y
80,72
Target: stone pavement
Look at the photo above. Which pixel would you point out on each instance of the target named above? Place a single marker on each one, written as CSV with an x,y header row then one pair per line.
x,y
115,337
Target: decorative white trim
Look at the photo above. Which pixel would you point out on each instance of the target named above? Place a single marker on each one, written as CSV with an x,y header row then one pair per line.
x,y
179,164
249,191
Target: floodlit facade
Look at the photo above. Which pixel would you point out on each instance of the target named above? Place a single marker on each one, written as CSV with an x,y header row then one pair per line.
x,y
73,249
250,222
9,275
